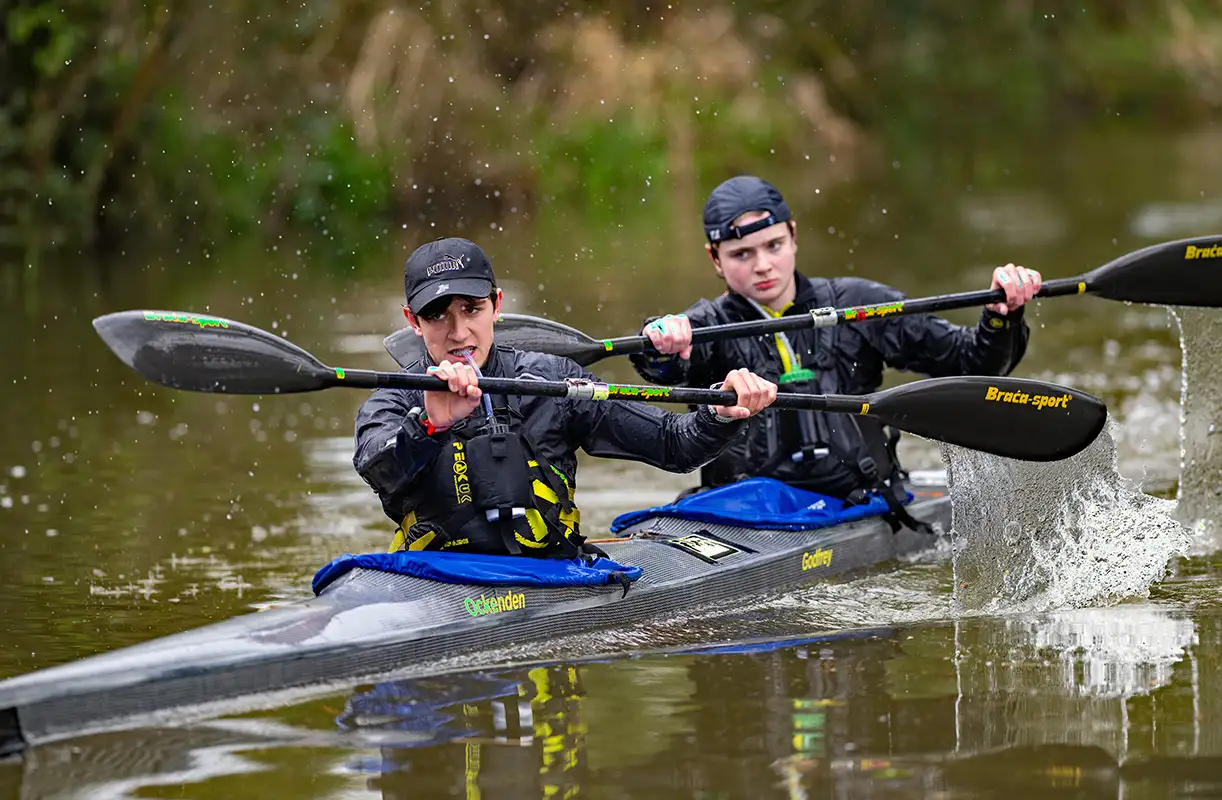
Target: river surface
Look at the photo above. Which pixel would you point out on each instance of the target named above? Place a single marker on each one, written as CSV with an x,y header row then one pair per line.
x,y
1089,666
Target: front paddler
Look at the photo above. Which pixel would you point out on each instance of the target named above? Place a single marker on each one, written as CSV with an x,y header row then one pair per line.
x,y
465,471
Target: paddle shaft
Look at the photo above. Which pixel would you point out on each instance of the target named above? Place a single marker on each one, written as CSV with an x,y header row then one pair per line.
x,y
210,354
591,390
828,317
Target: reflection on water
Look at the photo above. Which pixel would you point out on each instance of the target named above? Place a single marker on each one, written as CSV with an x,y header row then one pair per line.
x,y
1095,700
1129,650
1107,667
520,734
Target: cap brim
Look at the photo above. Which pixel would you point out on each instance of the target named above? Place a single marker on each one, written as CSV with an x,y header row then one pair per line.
x,y
468,287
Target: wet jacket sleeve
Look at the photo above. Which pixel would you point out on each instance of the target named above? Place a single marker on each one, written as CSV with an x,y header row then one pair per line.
x,y
391,446
646,433
670,370
932,346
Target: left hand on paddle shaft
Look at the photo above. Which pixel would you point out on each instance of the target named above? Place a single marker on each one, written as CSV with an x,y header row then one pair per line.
x,y
754,394
1020,285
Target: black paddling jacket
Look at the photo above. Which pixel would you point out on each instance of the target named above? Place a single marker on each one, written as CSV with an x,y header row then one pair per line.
x,y
845,359
404,465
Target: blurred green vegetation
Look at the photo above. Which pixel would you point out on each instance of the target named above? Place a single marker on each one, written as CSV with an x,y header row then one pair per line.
x,y
128,123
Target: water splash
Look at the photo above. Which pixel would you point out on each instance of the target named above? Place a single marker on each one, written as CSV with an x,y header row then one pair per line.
x,y
1200,490
1034,536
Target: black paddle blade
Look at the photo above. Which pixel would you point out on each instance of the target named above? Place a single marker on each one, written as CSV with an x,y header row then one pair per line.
x,y
1185,272
520,331
538,335
1012,417
404,346
209,354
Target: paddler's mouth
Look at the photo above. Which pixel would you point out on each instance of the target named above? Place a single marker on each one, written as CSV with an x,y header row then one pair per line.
x,y
764,286
462,353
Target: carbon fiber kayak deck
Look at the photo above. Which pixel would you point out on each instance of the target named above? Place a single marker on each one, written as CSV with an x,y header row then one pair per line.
x,y
370,623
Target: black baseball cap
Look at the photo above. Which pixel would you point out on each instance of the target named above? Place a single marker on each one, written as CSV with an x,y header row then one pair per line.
x,y
736,197
444,268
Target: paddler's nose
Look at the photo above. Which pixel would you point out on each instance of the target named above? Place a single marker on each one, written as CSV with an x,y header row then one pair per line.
x,y
460,330
773,258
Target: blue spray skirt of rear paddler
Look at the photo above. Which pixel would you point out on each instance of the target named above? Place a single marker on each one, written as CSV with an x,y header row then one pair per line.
x,y
759,503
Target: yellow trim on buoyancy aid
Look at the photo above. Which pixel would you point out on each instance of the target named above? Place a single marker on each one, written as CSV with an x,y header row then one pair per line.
x,y
538,527
571,520
788,358
399,542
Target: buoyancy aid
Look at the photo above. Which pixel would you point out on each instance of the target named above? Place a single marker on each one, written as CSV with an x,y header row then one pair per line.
x,y
873,460
489,491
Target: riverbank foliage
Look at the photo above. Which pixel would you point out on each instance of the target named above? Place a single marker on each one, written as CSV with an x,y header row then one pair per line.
x,y
193,123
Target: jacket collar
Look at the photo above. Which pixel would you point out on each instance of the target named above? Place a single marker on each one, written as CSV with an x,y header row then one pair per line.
x,y
804,294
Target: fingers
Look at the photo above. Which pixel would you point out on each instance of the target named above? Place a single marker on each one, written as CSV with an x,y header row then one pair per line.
x,y
1034,282
461,378
684,335
1020,285
671,334
754,394
445,409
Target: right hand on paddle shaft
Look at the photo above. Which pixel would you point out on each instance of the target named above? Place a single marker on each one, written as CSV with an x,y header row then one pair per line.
x,y
446,408
754,394
671,334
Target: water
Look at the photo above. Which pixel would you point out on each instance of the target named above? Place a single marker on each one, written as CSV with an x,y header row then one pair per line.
x,y
1069,648
1048,543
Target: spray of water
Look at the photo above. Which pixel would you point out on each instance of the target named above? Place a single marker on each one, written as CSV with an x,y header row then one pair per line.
x,y
1200,489
1035,536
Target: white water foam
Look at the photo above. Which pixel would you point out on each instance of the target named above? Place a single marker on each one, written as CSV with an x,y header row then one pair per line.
x,y
1035,536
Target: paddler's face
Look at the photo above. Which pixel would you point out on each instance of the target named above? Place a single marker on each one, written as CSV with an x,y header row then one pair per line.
x,y
759,266
453,331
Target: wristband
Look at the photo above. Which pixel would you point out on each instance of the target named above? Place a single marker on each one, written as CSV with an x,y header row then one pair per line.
x,y
429,427
716,416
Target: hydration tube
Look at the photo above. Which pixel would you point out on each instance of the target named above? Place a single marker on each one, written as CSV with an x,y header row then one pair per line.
x,y
492,514
478,374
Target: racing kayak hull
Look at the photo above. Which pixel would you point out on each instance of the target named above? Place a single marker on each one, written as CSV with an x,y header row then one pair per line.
x,y
369,623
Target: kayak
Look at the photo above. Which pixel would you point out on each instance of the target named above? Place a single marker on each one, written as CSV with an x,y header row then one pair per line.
x,y
366,623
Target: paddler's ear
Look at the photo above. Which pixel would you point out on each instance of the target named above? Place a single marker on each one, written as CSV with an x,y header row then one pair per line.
x,y
412,321
496,303
708,248
793,234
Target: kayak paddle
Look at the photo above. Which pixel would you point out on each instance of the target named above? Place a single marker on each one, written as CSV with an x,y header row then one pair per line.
x,y
1011,417
1186,272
